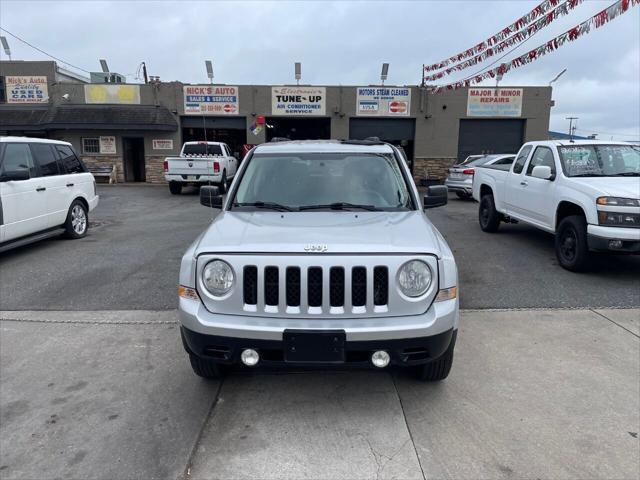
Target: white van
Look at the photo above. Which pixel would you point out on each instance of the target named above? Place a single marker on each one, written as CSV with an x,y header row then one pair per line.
x,y
45,190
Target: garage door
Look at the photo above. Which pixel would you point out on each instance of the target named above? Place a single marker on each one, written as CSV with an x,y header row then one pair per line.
x,y
387,129
489,136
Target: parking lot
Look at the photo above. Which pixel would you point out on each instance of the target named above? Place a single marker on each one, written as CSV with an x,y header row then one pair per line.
x,y
94,382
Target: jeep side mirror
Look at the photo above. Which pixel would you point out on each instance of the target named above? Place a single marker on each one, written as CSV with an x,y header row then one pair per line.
x,y
15,175
210,197
542,171
437,196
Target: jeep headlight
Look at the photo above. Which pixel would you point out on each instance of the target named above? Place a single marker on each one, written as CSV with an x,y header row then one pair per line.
x,y
218,277
414,278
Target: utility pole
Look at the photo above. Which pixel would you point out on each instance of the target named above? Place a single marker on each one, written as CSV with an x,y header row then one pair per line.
x,y
571,127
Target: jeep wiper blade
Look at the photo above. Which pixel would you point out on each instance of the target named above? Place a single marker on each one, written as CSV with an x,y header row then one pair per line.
x,y
340,206
269,205
628,174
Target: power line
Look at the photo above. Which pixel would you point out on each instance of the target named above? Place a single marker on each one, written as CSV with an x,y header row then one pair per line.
x,y
42,51
608,133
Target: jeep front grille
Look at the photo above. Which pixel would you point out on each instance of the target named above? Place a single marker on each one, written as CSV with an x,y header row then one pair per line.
x,y
321,286
319,281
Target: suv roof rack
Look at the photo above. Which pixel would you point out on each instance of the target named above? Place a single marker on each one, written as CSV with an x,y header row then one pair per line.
x,y
279,139
366,141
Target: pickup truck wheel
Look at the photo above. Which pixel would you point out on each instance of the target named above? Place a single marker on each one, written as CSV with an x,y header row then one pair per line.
x,y
488,215
77,222
439,368
175,188
223,183
572,249
204,368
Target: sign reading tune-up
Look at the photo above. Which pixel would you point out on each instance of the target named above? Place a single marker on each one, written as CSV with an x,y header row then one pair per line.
x,y
494,102
211,100
383,101
27,89
298,101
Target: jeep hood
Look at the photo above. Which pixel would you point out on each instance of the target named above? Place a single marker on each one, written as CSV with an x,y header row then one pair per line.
x,y
341,232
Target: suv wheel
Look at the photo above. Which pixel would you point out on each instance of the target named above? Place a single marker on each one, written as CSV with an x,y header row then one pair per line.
x,y
175,188
77,222
488,216
439,368
204,368
572,250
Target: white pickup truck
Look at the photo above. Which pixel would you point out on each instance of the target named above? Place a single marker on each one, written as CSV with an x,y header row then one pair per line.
x,y
586,192
200,163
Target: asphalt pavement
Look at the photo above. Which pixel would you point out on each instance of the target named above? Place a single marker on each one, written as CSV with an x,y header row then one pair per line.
x,y
131,257
110,395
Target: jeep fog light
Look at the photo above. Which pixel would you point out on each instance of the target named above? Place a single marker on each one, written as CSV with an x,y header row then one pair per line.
x,y
414,278
380,359
218,277
249,357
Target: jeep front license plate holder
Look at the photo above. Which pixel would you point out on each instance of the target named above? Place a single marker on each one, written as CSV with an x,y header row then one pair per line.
x,y
305,346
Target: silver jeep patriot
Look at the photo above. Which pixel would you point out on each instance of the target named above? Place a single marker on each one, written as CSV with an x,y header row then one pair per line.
x,y
322,255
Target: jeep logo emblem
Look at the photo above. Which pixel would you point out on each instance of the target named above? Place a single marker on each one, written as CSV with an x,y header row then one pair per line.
x,y
320,248
191,164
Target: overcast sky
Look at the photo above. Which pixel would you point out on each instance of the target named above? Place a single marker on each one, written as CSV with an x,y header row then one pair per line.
x,y
338,43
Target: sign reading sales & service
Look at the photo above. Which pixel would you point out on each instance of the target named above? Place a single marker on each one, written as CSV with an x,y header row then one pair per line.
x,y
383,101
27,89
210,100
298,101
494,102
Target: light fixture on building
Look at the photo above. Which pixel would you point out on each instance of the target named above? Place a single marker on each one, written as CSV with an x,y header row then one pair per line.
x,y
104,66
5,46
384,73
209,65
298,72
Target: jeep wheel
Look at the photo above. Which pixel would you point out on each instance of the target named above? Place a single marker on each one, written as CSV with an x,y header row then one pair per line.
x,y
204,368
223,183
572,250
439,368
77,222
175,188
488,215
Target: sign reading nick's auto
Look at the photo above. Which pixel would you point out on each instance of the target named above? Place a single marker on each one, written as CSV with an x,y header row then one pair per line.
x,y
27,89
211,100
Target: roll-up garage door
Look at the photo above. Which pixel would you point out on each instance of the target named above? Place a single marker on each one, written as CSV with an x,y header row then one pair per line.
x,y
397,131
477,137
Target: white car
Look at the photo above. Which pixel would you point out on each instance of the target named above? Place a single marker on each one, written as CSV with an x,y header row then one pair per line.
x,y
460,177
45,190
200,163
586,192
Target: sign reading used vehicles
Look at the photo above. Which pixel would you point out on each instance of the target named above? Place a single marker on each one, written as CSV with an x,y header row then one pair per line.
x,y
494,102
383,101
211,100
27,89
298,101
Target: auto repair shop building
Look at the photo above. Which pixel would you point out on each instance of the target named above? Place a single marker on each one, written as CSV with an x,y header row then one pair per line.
x,y
134,126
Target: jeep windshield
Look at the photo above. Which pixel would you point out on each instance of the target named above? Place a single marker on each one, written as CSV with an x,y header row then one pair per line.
x,y
323,182
600,160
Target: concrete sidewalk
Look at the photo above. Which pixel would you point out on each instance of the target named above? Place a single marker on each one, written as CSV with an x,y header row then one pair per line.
x,y
107,394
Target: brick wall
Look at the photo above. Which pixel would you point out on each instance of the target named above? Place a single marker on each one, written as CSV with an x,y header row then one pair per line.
x,y
106,160
154,169
431,168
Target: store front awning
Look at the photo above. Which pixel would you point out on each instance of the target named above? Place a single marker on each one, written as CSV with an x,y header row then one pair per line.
x,y
88,117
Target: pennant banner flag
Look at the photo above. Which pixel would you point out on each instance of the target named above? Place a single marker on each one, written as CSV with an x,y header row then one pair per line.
x,y
537,12
597,21
518,37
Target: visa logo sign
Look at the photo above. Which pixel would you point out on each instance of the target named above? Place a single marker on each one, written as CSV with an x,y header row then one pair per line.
x,y
368,106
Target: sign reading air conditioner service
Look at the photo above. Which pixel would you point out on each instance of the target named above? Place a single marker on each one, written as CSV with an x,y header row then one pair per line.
x,y
211,100
27,89
298,101
112,94
494,102
383,102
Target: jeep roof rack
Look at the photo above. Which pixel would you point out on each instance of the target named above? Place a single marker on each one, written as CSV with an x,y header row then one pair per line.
x,y
366,141
279,139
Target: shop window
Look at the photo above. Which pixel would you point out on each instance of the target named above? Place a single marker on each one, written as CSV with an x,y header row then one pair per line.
x,y
90,145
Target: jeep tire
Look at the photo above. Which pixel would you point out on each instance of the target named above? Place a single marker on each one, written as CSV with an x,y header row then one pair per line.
x,y
439,368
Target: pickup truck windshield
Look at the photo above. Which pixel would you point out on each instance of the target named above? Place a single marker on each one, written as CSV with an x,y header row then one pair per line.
x,y
321,181
600,160
202,149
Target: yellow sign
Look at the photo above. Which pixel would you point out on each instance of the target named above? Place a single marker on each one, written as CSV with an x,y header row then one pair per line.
x,y
117,94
